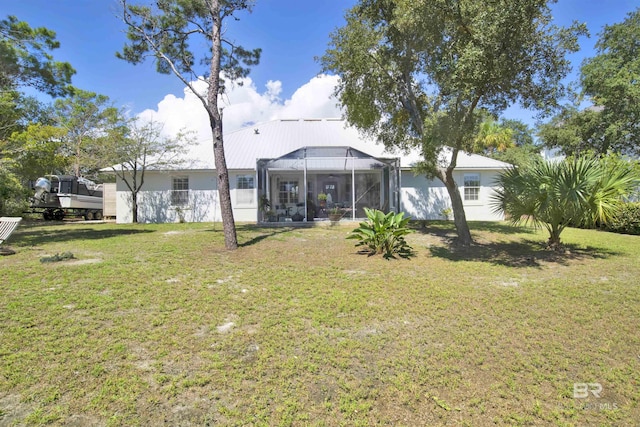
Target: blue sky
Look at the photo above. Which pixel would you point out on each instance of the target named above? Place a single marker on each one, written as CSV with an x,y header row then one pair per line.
x,y
290,32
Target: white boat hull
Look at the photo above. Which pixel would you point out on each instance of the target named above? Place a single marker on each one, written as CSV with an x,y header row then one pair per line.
x,y
77,201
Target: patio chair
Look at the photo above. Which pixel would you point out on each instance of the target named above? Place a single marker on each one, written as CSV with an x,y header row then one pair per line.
x,y
8,224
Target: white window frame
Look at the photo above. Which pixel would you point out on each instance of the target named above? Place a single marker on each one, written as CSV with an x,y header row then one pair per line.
x,y
180,190
288,191
245,189
471,187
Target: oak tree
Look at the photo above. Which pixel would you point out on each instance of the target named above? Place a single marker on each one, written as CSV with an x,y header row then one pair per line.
x,y
418,73
611,79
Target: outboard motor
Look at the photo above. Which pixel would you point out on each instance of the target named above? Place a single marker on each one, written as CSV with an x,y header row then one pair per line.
x,y
42,186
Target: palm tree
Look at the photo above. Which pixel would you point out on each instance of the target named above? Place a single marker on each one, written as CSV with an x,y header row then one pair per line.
x,y
493,137
557,194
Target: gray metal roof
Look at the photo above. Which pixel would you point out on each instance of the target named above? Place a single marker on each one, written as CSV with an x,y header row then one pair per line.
x,y
277,138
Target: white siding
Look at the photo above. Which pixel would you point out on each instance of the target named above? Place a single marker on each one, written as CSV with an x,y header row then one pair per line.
x,y
425,199
479,210
421,198
246,212
154,199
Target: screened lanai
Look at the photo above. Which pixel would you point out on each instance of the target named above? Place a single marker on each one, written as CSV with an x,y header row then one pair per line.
x,y
312,182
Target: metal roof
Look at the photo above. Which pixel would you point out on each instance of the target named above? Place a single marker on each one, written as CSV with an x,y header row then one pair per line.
x,y
278,138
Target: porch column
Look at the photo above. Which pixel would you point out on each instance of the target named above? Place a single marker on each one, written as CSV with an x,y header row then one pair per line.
x,y
268,188
353,188
305,187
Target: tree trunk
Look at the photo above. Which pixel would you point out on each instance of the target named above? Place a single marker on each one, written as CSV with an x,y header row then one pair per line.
x,y
134,207
554,238
226,209
215,119
459,216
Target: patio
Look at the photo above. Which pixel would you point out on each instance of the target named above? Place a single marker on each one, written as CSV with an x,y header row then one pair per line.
x,y
310,183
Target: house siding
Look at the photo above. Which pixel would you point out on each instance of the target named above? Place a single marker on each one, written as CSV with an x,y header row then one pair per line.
x,y
154,199
420,198
426,199
479,210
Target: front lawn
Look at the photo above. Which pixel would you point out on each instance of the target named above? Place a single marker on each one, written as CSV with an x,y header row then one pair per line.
x,y
159,325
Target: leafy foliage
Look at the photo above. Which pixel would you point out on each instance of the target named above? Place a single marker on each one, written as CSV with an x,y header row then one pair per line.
x,y
383,234
38,151
419,74
610,81
520,155
12,193
555,195
523,151
577,132
611,78
85,117
493,137
626,220
25,59
522,133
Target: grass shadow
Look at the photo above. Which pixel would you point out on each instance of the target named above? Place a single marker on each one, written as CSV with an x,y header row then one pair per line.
x,y
33,235
408,255
269,232
500,227
523,253
446,228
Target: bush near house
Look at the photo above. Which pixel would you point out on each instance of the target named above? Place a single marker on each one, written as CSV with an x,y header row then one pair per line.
x,y
383,234
626,221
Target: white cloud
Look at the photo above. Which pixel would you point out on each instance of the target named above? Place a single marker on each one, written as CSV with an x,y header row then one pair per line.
x,y
313,100
244,105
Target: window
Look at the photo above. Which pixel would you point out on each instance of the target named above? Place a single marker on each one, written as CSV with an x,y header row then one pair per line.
x,y
180,191
471,186
244,189
288,192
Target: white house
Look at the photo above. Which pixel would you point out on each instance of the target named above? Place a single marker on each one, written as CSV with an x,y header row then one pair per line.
x,y
290,162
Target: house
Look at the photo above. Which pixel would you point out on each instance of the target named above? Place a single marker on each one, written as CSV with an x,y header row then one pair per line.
x,y
291,162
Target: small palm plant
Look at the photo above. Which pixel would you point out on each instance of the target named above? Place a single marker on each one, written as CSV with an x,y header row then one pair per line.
x,y
383,234
558,194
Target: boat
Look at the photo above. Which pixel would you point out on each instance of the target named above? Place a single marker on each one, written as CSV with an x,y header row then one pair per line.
x,y
58,196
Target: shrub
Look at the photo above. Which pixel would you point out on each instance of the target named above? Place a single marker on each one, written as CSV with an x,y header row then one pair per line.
x,y
626,220
12,194
383,234
555,195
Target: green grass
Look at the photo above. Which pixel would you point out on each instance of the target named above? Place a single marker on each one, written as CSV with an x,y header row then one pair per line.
x,y
158,324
